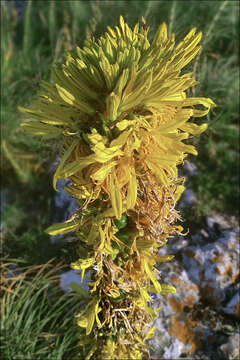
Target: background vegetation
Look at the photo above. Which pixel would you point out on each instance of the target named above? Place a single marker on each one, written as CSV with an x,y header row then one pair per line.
x,y
36,34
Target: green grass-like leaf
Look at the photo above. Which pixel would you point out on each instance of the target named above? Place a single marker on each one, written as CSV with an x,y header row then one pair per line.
x,y
36,318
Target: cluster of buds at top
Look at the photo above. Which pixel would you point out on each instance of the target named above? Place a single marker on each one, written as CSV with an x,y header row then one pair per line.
x,y
120,108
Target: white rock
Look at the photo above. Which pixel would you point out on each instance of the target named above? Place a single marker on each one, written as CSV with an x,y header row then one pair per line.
x,y
214,266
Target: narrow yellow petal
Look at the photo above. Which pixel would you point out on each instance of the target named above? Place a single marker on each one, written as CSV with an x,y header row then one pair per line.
x,y
167,289
159,258
132,190
163,31
101,174
193,128
76,166
62,228
37,128
65,95
116,197
83,264
151,276
62,162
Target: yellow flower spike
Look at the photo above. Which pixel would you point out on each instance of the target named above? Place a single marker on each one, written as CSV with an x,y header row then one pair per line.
x,y
121,104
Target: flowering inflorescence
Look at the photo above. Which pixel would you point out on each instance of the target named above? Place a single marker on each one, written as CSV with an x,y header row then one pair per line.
x,y
120,105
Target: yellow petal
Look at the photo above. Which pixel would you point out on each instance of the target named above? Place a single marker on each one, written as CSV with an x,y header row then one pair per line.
x,y
208,103
62,228
150,334
76,166
122,125
37,128
193,128
140,341
112,102
104,154
92,317
116,197
179,191
151,276
65,95
83,321
167,289
144,244
144,294
93,234
163,258
101,174
157,170
163,31
83,264
95,137
62,162
132,190
121,139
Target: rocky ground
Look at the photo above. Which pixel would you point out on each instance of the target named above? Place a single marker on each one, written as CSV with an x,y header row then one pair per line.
x,y
201,320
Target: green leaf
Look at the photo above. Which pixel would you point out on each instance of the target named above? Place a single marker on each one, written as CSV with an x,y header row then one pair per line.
x,y
121,223
115,246
79,290
119,298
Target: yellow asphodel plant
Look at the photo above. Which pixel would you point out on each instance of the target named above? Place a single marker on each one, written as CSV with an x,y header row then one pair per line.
x,y
120,106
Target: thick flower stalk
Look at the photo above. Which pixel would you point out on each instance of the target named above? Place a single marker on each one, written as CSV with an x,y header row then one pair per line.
x,y
120,106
